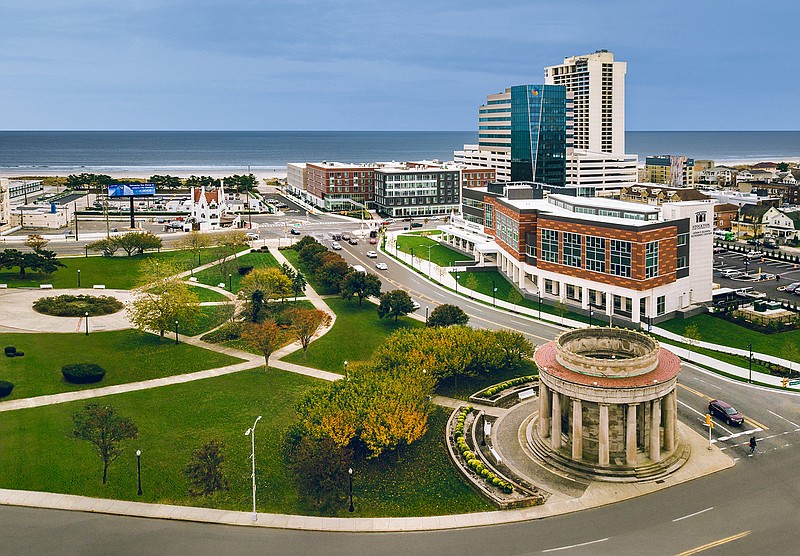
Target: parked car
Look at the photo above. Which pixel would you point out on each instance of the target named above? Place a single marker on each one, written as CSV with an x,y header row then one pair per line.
x,y
752,241
336,246
731,273
251,235
353,241
381,266
416,224
725,412
771,243
294,232
792,288
754,254
372,254
718,249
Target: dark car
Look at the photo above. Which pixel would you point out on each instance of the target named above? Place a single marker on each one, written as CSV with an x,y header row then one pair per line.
x,y
725,412
294,232
416,224
353,241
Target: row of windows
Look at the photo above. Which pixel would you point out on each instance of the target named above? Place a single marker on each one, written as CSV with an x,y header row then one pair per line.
x,y
507,230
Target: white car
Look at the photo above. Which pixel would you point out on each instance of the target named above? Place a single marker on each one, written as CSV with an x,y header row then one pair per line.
x,y
372,254
381,266
252,235
336,246
415,304
754,254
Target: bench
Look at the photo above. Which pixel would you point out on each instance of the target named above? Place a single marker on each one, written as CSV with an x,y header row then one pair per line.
x,y
494,453
45,286
487,429
221,285
3,286
525,394
99,287
193,279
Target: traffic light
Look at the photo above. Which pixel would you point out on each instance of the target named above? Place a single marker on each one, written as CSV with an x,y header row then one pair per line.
x,y
785,382
708,420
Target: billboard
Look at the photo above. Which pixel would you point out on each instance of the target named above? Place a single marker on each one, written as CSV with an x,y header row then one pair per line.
x,y
131,190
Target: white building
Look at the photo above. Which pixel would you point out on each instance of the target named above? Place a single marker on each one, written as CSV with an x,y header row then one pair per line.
x,y
597,83
497,158
607,173
296,179
5,202
52,216
207,210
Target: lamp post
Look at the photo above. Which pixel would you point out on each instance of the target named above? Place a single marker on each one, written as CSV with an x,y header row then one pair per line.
x,y
176,333
139,470
591,314
346,376
230,281
251,432
426,315
750,360
350,473
456,282
494,291
539,300
429,247
86,318
79,277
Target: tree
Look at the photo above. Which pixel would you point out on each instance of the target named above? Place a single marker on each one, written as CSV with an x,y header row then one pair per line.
x,y
515,346
447,315
692,335
782,166
266,337
305,323
471,282
320,468
87,181
101,426
108,245
204,470
162,299
166,182
331,271
231,243
310,255
395,303
42,261
195,242
515,297
138,242
36,242
360,284
792,353
271,282
561,309
299,283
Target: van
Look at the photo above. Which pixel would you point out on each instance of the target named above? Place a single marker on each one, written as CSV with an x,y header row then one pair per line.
x,y
336,237
359,268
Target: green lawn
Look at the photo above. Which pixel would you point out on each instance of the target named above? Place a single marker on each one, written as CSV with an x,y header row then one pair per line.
x,y
719,331
118,272
440,254
126,355
355,335
210,317
214,276
204,294
39,454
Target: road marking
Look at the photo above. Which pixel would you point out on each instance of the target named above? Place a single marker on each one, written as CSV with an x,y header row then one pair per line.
x,y
756,423
750,420
575,545
695,392
703,415
692,515
738,434
785,419
720,542
709,384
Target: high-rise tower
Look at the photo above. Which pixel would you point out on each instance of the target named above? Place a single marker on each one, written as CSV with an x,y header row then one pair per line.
x,y
597,84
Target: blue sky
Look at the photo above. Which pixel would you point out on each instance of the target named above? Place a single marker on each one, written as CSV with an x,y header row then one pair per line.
x,y
360,65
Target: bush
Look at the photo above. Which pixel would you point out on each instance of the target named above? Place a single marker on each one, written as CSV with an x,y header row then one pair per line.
x,y
83,373
19,354
225,333
492,390
5,388
77,305
10,351
244,270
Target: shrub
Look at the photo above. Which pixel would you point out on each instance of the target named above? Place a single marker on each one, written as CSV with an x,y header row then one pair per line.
x,y
77,305
10,351
5,388
497,388
244,270
83,373
19,354
226,332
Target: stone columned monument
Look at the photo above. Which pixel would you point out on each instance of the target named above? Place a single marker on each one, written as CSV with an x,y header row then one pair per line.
x,y
607,405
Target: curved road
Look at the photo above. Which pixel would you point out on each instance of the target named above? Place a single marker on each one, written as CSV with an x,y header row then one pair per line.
x,y
752,507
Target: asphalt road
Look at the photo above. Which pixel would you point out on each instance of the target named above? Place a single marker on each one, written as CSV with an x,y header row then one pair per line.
x,y
751,508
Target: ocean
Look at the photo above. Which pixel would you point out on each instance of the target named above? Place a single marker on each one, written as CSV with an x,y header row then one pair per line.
x,y
182,152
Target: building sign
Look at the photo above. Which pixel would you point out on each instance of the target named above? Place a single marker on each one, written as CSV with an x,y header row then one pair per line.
x,y
701,226
131,190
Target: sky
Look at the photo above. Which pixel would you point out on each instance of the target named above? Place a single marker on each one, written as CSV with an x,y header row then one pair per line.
x,y
384,65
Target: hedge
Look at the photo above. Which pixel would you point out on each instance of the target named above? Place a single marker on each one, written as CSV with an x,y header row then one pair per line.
x,y
492,390
5,388
472,462
78,305
83,373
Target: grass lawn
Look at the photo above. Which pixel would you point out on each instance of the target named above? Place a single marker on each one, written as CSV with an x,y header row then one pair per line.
x,y
440,254
464,387
738,360
175,420
214,276
210,317
118,272
204,294
126,355
355,335
719,331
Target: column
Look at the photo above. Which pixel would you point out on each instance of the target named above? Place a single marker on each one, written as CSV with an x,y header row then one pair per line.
x,y
669,423
602,448
635,315
577,429
555,422
544,410
655,432
630,436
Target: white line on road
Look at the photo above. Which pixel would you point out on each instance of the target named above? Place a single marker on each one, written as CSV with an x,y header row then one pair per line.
x,y
703,415
692,515
738,434
575,545
709,384
785,419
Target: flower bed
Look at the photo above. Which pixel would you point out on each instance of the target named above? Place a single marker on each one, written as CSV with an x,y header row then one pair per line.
x,y
77,305
503,394
471,460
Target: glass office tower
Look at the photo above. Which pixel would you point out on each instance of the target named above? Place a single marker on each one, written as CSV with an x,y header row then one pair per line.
x,y
541,131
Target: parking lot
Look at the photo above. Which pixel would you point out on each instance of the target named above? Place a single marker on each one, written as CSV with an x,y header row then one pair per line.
x,y
785,272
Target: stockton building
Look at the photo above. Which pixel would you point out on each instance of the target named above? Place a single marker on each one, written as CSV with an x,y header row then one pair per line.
x,y
615,259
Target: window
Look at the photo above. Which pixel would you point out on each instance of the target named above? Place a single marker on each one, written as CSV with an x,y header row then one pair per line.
x,y
530,250
683,239
651,259
574,292
507,230
595,254
489,219
682,263
551,287
661,305
549,246
571,252
620,258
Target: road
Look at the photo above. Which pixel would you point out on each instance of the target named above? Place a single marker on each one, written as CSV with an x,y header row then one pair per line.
x,y
749,508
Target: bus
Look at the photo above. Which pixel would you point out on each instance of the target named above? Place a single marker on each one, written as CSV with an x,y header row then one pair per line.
x,y
724,235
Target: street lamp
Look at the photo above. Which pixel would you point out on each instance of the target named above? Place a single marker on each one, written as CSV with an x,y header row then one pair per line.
x,y
750,349
346,376
176,333
591,314
139,470
251,432
79,277
429,247
86,318
230,281
426,315
350,472
456,282
539,300
494,291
